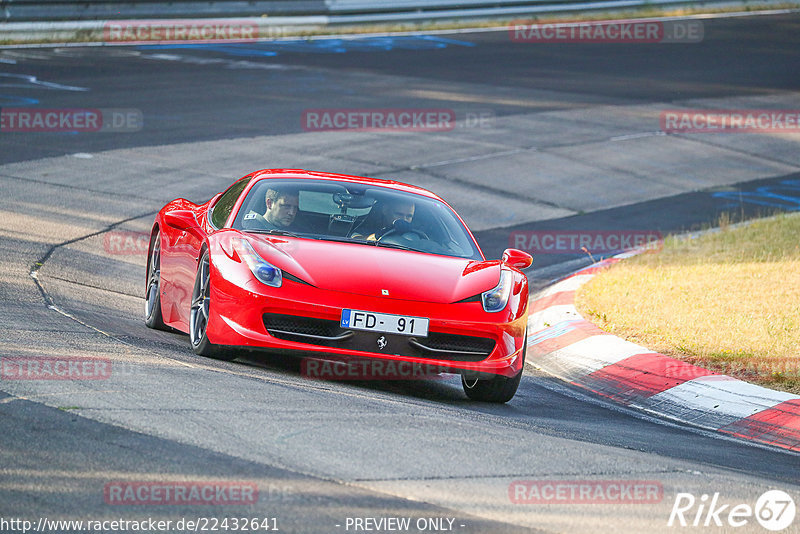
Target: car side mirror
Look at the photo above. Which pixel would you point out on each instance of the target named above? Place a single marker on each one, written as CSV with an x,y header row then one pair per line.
x,y
181,219
517,258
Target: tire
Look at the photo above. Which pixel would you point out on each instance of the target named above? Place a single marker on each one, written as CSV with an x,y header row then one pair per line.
x,y
152,292
498,388
198,315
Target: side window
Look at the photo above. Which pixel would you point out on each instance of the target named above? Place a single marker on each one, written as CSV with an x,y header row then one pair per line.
x,y
222,209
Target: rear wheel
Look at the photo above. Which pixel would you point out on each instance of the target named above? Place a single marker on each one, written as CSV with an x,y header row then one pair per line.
x,y
198,315
495,389
152,303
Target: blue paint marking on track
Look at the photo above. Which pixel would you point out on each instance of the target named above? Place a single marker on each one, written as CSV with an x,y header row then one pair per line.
x,y
318,46
444,40
14,101
785,195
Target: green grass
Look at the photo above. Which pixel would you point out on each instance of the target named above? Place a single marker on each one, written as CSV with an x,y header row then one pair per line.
x,y
728,301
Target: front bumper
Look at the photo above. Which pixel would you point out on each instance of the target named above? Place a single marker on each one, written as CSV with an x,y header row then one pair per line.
x,y
300,317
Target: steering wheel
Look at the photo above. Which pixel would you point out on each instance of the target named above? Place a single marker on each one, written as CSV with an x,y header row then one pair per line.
x,y
402,232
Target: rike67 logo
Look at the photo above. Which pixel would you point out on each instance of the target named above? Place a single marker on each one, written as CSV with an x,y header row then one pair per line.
x,y
774,510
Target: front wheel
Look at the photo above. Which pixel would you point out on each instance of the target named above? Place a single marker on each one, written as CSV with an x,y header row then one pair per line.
x,y
198,315
495,389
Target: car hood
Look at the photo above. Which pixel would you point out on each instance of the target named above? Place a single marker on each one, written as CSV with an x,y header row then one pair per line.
x,y
378,271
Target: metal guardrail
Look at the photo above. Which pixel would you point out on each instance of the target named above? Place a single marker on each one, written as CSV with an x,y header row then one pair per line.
x,y
94,10
54,10
40,21
383,6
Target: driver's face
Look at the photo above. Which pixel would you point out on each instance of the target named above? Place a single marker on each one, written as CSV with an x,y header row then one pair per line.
x,y
400,211
281,212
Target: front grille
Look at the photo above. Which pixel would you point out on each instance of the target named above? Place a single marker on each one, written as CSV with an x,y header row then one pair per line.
x,y
327,333
305,329
454,343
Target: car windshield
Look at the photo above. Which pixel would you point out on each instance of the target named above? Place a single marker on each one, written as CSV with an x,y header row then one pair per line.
x,y
358,213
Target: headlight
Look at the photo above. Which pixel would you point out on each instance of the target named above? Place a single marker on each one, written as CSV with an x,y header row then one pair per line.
x,y
265,272
496,299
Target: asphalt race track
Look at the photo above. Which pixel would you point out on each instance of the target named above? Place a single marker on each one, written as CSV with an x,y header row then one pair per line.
x,y
548,137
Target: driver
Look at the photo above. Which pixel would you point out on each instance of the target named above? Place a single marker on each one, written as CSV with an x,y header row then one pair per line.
x,y
282,205
389,214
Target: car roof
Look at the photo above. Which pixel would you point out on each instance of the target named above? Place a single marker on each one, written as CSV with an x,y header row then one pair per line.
x,y
300,174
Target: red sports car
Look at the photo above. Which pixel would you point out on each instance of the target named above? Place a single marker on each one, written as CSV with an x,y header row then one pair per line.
x,y
339,266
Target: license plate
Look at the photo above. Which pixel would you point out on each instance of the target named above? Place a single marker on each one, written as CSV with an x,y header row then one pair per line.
x,y
384,322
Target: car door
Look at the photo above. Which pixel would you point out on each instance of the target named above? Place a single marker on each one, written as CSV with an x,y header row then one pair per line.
x,y
184,250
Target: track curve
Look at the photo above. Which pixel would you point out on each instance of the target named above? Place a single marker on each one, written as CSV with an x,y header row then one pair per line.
x,y
321,452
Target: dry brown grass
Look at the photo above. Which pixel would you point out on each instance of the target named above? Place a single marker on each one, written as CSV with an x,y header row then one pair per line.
x,y
728,301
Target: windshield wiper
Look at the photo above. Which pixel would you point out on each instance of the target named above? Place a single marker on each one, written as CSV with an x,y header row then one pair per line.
x,y
337,239
272,232
394,245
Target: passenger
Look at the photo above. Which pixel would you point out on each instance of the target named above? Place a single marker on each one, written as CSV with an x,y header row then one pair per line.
x,y
387,216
